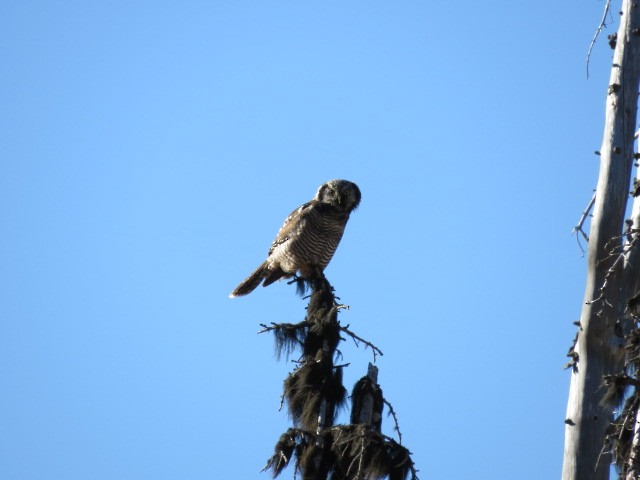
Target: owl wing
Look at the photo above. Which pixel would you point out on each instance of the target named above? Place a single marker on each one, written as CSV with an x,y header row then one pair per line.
x,y
292,225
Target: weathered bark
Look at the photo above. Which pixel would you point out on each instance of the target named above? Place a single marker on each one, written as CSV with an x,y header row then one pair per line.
x,y
367,400
633,473
608,283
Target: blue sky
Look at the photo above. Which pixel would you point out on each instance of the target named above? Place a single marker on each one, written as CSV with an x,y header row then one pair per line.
x,y
151,150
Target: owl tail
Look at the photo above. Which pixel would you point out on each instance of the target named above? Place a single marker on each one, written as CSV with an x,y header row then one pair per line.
x,y
250,284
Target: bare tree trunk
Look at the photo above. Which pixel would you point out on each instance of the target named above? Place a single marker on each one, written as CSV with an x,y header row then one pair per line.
x,y
608,284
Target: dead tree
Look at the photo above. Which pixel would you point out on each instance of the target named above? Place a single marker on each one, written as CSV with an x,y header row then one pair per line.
x,y
613,269
314,393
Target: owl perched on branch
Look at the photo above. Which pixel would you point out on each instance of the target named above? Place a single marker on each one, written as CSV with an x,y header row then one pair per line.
x,y
308,238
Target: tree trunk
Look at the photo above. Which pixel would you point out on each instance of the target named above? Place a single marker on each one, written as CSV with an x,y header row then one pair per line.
x,y
608,283
632,473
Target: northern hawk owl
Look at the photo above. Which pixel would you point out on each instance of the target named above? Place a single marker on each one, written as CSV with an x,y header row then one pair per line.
x,y
308,238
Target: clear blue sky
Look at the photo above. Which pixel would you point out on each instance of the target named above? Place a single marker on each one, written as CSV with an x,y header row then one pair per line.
x,y
149,152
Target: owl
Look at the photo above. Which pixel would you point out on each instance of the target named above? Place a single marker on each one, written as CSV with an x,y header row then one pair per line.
x,y
308,238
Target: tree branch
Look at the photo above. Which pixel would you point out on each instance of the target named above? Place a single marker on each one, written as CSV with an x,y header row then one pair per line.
x,y
357,340
583,218
392,412
603,23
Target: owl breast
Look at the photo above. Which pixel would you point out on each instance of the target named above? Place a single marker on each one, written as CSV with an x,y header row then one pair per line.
x,y
313,243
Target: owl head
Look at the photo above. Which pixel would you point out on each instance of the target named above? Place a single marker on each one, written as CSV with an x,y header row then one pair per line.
x,y
342,194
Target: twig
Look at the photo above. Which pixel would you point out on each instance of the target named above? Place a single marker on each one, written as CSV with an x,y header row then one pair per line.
x,y
276,458
281,327
603,23
357,339
619,252
583,218
359,457
392,412
266,328
412,467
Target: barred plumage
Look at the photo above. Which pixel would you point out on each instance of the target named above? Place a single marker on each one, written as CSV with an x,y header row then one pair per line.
x,y
308,238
